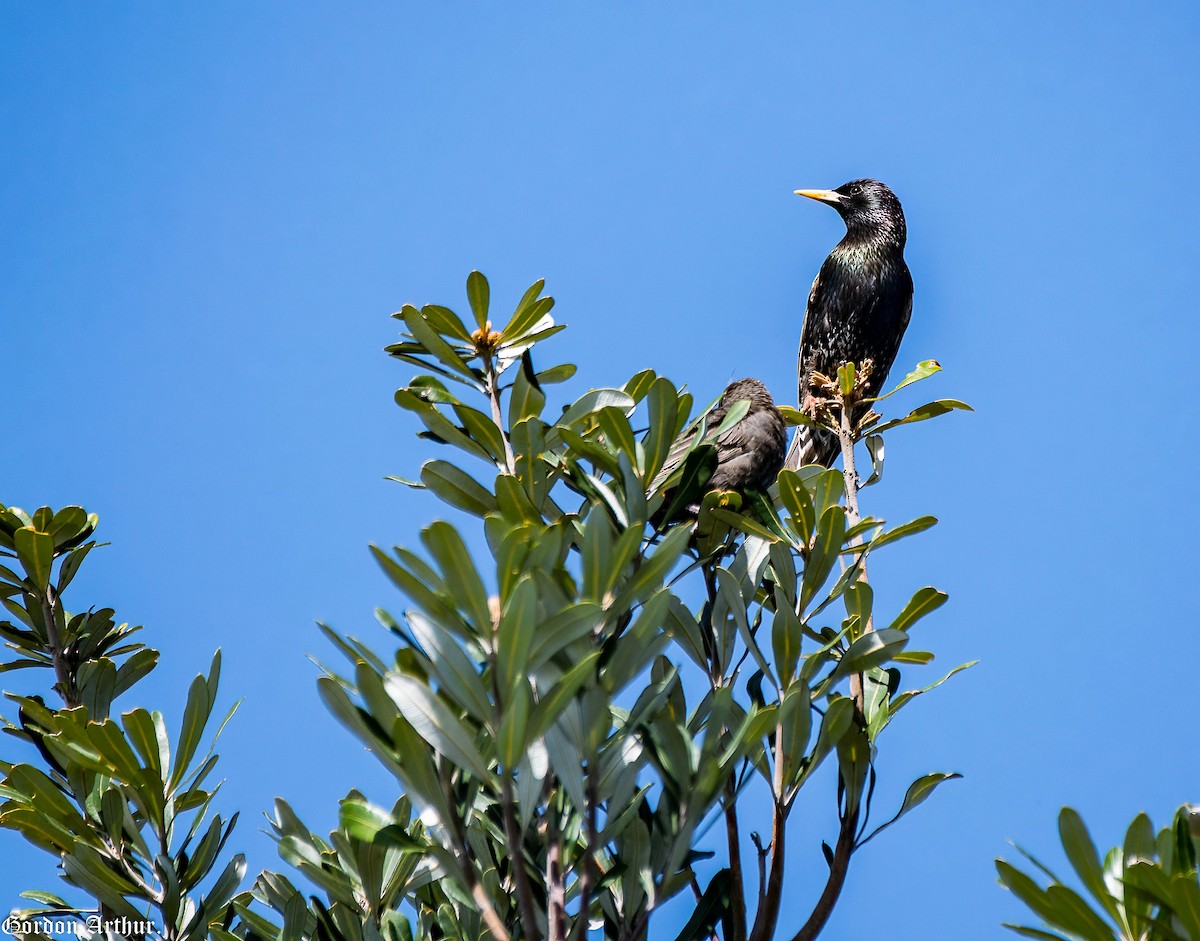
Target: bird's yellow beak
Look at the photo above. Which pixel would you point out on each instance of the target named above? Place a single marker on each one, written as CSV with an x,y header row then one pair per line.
x,y
824,196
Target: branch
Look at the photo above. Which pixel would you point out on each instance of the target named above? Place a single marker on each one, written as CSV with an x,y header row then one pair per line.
x,y
49,603
556,888
493,393
768,910
850,476
837,878
737,899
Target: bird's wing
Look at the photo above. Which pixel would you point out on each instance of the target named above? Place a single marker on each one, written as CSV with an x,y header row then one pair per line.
x,y
813,293
743,447
684,443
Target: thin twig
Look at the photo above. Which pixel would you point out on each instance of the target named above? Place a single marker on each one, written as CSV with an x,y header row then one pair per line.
x,y
762,852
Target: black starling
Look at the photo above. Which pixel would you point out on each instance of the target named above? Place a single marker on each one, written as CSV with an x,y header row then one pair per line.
x,y
750,454
859,304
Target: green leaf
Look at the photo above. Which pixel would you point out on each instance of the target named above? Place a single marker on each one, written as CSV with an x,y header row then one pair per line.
x,y
429,338
1081,852
1034,932
1024,888
744,524
830,533
195,718
458,488
924,601
845,377
447,323
36,552
456,672
555,374
149,736
729,588
518,624
710,909
458,571
137,666
919,525
529,313
796,500
924,370
526,399
664,414
551,706
513,739
478,293
859,600
924,413
795,719
561,630
652,573
435,723
875,450
872,649
918,792
87,869
787,633
440,428
692,477
483,431
67,524
593,401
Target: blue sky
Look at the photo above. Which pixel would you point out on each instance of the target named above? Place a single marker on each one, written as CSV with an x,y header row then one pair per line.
x,y
210,212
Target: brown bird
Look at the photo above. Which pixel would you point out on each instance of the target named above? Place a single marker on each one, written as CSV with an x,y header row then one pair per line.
x,y
749,455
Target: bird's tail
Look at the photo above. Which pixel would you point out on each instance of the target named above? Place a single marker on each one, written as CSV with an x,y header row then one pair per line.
x,y
812,446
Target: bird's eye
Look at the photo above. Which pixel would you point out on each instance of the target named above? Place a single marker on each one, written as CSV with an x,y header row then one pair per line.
x,y
856,190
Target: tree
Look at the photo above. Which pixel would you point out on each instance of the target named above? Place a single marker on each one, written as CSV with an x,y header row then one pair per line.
x,y
123,807
573,703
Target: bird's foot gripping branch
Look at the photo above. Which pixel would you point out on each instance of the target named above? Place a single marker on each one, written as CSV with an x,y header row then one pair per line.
x,y
632,655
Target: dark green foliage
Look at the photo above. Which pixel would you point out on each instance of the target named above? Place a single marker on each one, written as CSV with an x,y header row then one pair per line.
x,y
122,807
1147,889
536,713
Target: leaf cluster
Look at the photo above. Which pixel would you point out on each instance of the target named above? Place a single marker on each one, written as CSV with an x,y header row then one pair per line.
x,y
1146,889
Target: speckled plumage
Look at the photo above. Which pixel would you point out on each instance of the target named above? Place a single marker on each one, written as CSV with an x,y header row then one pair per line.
x,y
750,454
859,305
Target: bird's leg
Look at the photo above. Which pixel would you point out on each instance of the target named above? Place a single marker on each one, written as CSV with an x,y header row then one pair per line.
x,y
820,400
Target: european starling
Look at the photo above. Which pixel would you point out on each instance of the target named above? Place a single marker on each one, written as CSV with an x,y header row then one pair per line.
x,y
750,454
859,304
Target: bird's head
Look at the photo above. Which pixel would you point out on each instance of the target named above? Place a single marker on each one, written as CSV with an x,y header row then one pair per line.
x,y
869,209
751,390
